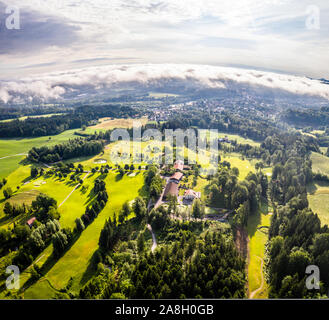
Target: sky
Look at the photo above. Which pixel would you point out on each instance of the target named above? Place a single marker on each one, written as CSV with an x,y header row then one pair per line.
x,y
59,35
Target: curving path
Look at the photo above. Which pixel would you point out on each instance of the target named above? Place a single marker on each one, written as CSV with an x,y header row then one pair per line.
x,y
252,294
14,155
153,238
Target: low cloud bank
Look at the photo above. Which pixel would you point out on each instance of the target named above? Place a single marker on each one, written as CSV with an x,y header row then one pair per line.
x,y
55,86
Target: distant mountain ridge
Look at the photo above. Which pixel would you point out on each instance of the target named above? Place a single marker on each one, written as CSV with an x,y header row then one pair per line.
x,y
112,80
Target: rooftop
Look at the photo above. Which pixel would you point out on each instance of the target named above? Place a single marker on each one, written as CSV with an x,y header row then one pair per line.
x,y
31,221
171,189
177,176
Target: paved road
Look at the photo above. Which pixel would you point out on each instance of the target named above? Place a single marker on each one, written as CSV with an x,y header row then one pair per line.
x,y
153,238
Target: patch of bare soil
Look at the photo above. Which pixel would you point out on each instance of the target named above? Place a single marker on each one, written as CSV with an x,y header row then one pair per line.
x,y
241,241
242,245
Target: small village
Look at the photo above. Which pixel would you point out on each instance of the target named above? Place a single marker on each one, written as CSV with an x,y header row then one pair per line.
x,y
173,187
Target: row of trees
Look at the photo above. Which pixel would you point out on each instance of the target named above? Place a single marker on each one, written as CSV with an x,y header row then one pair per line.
x,y
297,239
73,148
153,182
100,199
47,126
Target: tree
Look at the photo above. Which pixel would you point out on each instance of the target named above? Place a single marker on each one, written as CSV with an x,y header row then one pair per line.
x,y
198,210
240,195
141,242
172,204
235,171
259,166
34,172
121,172
8,209
79,224
126,209
59,243
139,208
8,192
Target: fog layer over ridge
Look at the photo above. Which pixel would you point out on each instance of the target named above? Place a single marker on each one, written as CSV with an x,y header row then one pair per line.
x,y
54,86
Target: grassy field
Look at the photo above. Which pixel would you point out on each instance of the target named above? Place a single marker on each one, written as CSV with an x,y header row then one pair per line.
x,y
12,150
25,197
320,163
76,261
243,164
39,116
109,123
318,197
318,193
257,240
239,139
56,188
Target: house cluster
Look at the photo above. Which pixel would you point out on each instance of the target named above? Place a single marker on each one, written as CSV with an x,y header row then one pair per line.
x,y
172,187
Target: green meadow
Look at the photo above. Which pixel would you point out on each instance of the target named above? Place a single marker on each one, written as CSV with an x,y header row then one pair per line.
x,y
320,163
77,260
318,198
258,224
239,139
12,150
76,263
243,164
318,192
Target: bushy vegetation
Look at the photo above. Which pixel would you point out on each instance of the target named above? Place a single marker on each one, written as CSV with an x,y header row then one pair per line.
x,y
41,126
74,148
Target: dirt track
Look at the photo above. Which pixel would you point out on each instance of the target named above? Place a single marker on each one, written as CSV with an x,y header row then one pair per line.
x,y
241,241
252,294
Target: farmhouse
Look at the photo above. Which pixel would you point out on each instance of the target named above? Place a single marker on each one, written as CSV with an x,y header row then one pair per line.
x,y
176,177
30,222
179,165
171,190
191,195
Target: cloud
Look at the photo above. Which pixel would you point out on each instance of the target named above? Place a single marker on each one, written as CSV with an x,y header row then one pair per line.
x,y
56,85
37,31
269,34
103,59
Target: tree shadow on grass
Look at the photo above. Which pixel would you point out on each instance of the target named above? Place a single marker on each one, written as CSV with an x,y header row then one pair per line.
x,y
25,162
71,183
91,269
311,188
28,179
143,191
254,222
118,177
91,197
102,176
50,262
4,220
